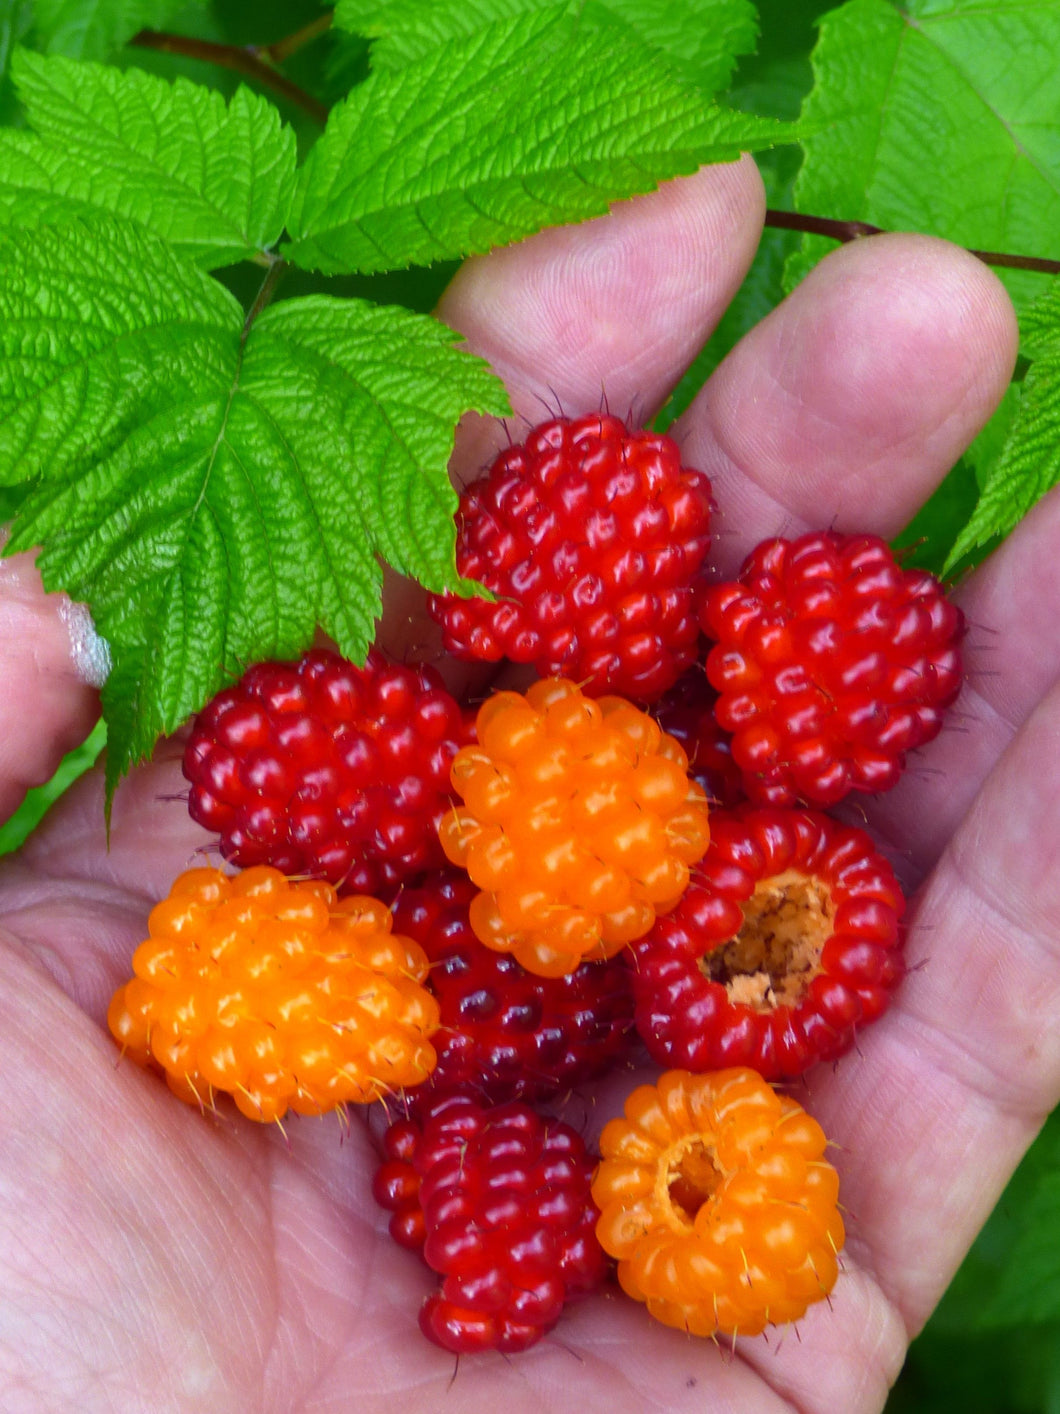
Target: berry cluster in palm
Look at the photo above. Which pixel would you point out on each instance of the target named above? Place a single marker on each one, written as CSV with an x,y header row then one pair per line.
x,y
458,915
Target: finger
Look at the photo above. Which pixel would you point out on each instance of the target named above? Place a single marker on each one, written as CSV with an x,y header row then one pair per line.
x,y
953,1084
51,665
615,308
847,404
1011,659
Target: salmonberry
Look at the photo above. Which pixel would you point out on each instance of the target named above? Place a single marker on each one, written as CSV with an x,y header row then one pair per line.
x,y
498,1202
718,1203
278,993
579,825
832,663
591,537
787,942
504,1034
321,768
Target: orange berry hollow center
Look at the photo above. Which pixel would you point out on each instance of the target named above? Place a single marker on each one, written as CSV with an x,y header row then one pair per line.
x,y
777,952
579,825
718,1204
689,1178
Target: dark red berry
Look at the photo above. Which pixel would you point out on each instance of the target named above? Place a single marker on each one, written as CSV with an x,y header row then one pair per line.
x,y
502,1197
787,943
831,663
591,537
322,768
505,1033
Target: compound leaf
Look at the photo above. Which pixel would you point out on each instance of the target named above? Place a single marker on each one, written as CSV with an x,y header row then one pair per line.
x,y
213,179
214,494
702,38
938,116
457,152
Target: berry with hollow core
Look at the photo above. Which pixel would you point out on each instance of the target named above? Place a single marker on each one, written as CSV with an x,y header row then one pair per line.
x,y
785,944
717,1201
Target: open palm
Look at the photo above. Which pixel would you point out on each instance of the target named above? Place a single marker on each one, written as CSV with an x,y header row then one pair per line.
x,y
152,1259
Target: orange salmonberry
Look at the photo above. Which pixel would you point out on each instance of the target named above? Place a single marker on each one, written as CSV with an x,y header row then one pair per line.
x,y
579,824
276,992
718,1203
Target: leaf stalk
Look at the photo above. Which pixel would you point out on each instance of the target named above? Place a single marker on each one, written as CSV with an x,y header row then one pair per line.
x,y
246,61
853,230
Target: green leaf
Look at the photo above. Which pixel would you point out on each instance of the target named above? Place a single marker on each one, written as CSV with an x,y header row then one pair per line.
x,y
927,541
702,38
1029,461
977,1374
40,799
458,152
1011,1277
16,17
93,29
212,179
938,116
215,495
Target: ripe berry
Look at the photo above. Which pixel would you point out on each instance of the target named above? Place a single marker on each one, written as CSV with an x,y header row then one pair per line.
x,y
831,663
278,993
591,536
717,1201
579,824
498,1202
786,943
503,1033
322,768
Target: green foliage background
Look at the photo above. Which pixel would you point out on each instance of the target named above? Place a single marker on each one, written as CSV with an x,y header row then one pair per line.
x,y
145,195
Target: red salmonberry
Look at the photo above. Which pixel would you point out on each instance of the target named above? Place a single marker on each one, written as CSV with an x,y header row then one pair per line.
x,y
325,769
498,1202
579,825
831,663
784,945
718,1203
504,1034
591,537
277,993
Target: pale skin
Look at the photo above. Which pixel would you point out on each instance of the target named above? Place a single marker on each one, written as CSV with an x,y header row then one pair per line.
x,y
155,1259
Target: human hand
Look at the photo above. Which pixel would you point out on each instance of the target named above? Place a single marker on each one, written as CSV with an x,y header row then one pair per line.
x,y
153,1259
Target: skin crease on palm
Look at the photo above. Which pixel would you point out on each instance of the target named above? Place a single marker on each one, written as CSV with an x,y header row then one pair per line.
x,y
154,1259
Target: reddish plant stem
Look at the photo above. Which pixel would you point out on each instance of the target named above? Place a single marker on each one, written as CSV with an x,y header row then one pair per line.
x,y
247,62
854,230
259,62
